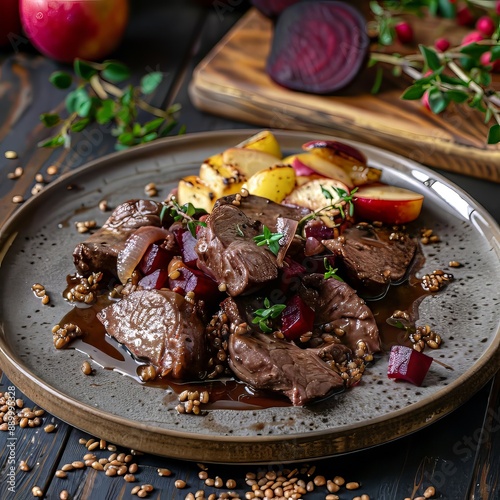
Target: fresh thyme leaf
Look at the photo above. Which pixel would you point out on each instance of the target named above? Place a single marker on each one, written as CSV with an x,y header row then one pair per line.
x,y
98,99
330,271
239,231
268,238
50,119
264,315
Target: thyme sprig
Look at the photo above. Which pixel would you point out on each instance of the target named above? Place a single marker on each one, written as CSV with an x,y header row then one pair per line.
x,y
457,75
264,316
330,271
187,214
98,100
270,239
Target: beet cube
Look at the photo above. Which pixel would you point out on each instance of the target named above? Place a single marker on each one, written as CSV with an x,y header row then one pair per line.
x,y
407,364
318,47
186,242
155,257
296,319
157,279
192,280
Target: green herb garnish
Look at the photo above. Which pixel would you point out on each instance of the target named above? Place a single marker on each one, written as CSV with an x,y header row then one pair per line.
x,y
97,99
343,197
330,271
263,316
187,214
269,239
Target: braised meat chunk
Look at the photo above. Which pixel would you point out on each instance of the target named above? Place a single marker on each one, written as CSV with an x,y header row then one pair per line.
x,y
227,251
100,250
160,327
337,305
373,258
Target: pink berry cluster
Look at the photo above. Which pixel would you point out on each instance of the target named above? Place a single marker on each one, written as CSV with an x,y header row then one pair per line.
x,y
484,27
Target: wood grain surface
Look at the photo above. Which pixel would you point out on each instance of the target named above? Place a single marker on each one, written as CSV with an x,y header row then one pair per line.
x,y
231,81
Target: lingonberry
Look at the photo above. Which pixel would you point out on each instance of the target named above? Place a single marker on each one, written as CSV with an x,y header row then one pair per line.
x,y
404,32
464,16
486,26
425,101
442,44
472,37
486,61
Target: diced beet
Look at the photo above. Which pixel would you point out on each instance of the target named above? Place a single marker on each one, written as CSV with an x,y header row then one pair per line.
x,y
186,242
318,229
318,47
290,274
156,257
157,279
296,319
192,280
272,8
407,364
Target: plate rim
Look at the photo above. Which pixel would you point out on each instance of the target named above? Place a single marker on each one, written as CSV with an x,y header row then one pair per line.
x,y
28,382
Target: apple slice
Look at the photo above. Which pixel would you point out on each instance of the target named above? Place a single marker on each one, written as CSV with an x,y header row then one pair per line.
x,y
263,141
311,194
389,204
350,159
248,161
308,164
273,183
192,189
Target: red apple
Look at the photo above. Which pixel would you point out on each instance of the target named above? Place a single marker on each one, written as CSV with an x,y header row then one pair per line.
x,y
389,204
65,30
10,24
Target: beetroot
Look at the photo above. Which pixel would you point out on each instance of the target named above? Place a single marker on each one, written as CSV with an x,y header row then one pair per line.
x,y
155,257
186,242
407,364
318,47
272,8
291,273
296,319
192,280
157,280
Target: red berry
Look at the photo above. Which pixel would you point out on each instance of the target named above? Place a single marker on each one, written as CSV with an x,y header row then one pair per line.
x,y
442,44
472,37
497,7
404,32
486,26
425,101
486,61
464,17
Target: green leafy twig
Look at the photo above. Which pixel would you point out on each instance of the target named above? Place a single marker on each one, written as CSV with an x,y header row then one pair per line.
x,y
263,316
270,239
330,271
187,214
98,99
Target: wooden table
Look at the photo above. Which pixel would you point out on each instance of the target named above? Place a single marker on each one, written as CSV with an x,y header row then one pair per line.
x,y
459,455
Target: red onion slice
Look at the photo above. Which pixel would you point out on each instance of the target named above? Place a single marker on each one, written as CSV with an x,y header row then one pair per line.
x,y
135,247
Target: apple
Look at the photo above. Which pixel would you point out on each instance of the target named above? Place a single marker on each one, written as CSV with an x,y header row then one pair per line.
x,y
248,161
388,204
263,141
351,159
310,164
10,23
64,30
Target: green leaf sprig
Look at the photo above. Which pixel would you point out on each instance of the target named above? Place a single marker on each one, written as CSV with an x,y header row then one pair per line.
x,y
98,99
457,75
270,239
264,316
187,214
343,198
330,271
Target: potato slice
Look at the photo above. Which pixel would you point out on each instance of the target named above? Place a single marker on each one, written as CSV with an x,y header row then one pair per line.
x,y
310,195
248,161
274,183
263,141
194,190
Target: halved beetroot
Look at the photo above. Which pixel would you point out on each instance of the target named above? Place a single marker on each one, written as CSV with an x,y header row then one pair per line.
x,y
272,8
296,319
407,364
318,46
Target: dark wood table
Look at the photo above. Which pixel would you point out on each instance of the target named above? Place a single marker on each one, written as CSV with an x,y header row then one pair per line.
x,y
459,455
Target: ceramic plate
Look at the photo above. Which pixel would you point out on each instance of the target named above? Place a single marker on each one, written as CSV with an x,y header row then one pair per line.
x,y
36,246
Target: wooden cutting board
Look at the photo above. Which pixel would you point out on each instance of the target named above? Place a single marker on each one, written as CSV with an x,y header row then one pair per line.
x,y
231,81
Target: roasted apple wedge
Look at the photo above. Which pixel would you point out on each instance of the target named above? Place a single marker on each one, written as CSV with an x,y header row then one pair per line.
x,y
389,204
248,161
192,189
274,183
308,164
264,141
351,159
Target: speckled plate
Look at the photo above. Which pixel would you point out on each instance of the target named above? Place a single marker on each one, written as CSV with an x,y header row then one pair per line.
x,y
36,246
